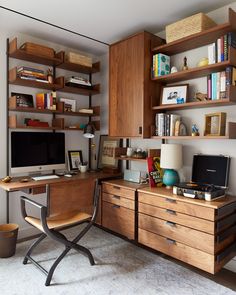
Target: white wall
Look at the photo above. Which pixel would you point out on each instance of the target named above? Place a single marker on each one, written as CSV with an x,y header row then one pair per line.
x,y
74,139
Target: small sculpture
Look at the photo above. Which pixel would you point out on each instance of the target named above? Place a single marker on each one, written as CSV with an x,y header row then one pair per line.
x,y
200,96
195,130
49,76
173,70
185,66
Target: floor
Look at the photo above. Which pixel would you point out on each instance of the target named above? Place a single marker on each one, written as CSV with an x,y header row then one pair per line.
x,y
121,268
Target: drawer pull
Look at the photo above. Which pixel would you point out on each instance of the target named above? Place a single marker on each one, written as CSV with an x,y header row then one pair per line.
x,y
172,212
170,241
172,224
170,200
115,197
116,206
116,187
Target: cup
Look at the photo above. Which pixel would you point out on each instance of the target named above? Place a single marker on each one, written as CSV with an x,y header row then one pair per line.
x,y
129,152
83,168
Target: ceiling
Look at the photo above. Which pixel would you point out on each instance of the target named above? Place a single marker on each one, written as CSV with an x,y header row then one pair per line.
x,y
105,20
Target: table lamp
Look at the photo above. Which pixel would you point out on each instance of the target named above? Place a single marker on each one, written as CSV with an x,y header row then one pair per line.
x,y
171,160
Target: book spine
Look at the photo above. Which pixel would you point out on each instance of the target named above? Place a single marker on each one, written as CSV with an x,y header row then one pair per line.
x,y
222,48
161,124
218,50
209,94
40,101
234,76
228,72
218,85
222,85
211,53
213,85
232,39
167,124
156,65
156,125
225,47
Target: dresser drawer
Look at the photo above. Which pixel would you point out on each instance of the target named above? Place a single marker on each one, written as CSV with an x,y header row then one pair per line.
x,y
178,206
191,237
178,250
180,218
118,219
117,200
118,191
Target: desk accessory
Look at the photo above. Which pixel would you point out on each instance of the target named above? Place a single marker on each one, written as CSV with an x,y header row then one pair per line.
x,y
7,179
171,160
132,175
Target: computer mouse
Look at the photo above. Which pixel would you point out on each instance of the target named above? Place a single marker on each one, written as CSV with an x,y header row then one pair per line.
x,y
68,175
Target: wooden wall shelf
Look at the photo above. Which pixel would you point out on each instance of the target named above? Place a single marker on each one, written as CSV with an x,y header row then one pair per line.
x,y
131,159
81,91
35,127
198,39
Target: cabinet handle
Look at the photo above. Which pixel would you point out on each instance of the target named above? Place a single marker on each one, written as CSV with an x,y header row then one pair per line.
x,y
172,212
116,197
116,187
170,200
140,130
172,224
116,206
170,241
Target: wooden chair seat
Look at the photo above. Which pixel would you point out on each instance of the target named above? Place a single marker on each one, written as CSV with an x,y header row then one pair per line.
x,y
59,221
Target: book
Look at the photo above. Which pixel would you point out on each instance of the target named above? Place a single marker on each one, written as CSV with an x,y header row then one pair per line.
x,y
173,119
222,58
23,68
213,86
218,50
223,93
225,47
40,101
86,111
161,122
163,64
211,53
230,75
231,36
155,172
217,85
209,94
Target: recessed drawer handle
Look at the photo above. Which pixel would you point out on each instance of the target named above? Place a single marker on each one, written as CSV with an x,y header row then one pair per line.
x,y
115,197
172,212
170,241
170,200
116,187
116,206
170,223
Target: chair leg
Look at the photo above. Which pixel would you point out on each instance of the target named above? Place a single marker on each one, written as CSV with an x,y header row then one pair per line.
x,y
39,240
85,251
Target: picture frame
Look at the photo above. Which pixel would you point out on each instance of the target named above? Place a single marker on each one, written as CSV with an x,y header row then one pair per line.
x,y
106,152
215,124
174,94
69,104
75,158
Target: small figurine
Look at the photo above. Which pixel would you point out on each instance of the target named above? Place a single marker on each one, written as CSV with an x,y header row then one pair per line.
x,y
200,96
173,70
185,66
195,130
50,76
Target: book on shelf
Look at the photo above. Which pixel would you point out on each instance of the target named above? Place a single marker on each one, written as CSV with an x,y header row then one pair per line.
x,y
165,124
23,68
160,65
45,101
86,111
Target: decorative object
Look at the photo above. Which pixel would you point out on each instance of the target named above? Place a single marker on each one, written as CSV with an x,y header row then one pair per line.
x,y
69,104
203,62
129,152
173,70
38,49
182,129
188,26
215,124
171,160
89,130
106,152
185,66
155,172
140,154
75,159
49,75
195,130
174,94
200,96
83,167
176,128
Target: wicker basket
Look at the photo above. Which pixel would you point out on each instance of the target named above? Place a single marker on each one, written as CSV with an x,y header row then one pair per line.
x,y
37,49
188,26
79,59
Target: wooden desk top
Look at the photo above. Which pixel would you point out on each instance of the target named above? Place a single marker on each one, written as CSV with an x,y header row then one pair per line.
x,y
126,184
17,185
167,193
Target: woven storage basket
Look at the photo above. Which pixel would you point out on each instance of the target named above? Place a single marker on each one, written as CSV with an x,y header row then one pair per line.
x,y
38,49
188,26
79,59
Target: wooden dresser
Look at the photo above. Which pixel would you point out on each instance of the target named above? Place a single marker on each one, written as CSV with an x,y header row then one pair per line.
x,y
197,232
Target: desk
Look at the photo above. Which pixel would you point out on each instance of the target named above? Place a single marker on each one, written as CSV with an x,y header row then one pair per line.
x,y
79,186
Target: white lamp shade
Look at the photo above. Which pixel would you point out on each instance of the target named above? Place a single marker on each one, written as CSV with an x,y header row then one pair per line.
x,y
171,156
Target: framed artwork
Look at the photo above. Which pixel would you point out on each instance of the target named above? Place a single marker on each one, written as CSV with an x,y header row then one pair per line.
x,y
215,124
106,152
74,160
174,94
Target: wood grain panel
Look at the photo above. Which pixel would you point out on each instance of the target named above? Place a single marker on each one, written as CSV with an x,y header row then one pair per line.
x,y
174,216
117,200
178,250
118,191
179,206
118,219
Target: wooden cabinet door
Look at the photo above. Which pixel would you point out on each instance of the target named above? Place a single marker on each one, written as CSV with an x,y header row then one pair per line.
x,y
126,81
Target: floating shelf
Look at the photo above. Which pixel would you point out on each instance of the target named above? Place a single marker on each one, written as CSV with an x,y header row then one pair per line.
x,y
131,159
21,54
198,39
35,127
81,91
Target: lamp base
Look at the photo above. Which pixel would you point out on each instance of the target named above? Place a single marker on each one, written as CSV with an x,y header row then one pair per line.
x,y
170,178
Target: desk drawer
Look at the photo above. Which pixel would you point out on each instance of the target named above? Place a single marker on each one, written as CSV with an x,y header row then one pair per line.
x,y
118,219
179,206
118,191
178,250
117,200
185,235
180,218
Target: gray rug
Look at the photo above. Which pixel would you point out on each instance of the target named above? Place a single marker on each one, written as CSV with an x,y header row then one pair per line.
x,y
121,268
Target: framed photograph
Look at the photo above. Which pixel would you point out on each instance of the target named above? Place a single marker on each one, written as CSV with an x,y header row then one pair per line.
x,y
69,104
106,152
74,160
174,94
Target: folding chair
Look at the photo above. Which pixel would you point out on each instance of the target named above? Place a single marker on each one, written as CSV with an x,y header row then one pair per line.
x,y
51,225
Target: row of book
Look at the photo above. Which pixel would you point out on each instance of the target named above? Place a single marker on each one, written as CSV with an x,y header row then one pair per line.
x,y
28,73
46,101
165,124
219,50
217,83
160,65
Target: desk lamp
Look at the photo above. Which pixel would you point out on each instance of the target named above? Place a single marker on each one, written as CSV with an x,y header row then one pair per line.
x,y
171,160
89,130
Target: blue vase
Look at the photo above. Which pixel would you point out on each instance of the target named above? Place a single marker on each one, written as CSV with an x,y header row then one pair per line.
x,y
170,177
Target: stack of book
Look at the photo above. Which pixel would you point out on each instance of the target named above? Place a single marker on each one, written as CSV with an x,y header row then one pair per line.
x,y
46,101
160,65
78,82
217,83
165,124
28,73
218,51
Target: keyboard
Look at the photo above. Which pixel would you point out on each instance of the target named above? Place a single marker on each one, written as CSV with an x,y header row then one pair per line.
x,y
44,177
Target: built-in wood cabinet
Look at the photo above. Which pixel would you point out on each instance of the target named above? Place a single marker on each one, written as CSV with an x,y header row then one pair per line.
x,y
131,90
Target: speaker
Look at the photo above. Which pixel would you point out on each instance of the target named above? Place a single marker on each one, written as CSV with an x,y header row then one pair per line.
x,y
132,175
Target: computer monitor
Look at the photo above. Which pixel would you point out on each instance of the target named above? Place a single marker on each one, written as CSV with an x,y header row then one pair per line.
x,y
37,151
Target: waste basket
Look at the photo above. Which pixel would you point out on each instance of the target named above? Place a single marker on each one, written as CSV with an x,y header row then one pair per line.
x,y
8,238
